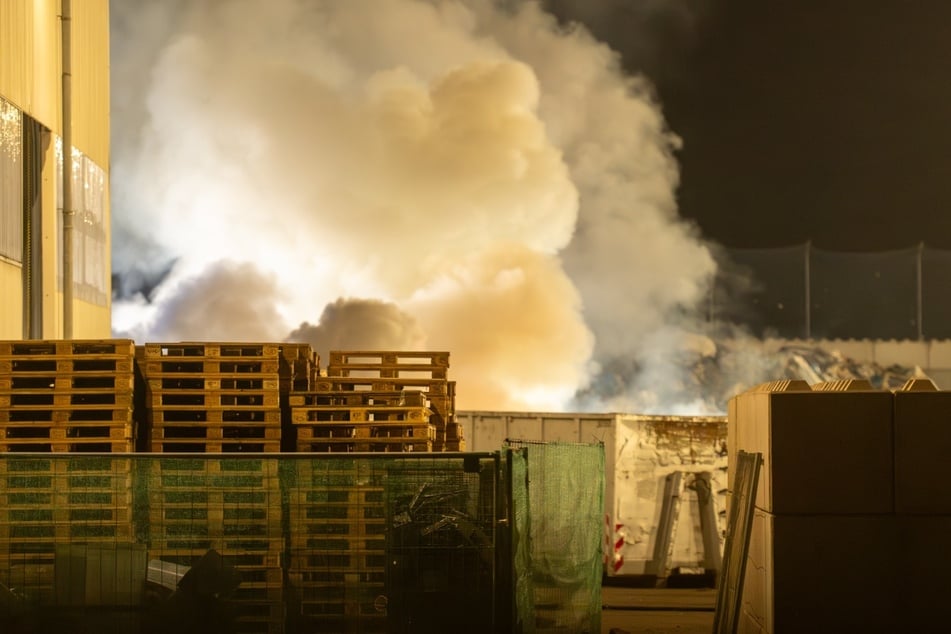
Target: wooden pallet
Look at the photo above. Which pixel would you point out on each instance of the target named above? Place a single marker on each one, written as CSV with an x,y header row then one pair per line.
x,y
65,414
59,365
250,446
365,432
73,445
199,382
218,415
211,350
31,399
66,347
300,366
31,432
407,414
379,358
187,367
359,398
213,399
79,381
374,446
189,432
376,384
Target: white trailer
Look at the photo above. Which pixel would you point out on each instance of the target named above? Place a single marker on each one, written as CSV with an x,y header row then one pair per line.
x,y
658,471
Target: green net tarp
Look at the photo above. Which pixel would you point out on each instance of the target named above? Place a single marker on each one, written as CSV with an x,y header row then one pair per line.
x,y
561,529
246,544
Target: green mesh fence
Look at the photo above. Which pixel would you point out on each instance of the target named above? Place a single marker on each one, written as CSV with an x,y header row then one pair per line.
x,y
561,529
217,543
268,544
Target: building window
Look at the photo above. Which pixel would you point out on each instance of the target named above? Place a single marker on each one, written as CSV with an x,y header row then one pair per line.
x,y
90,281
11,182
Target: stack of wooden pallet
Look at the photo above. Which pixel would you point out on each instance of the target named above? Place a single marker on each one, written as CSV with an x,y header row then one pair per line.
x,y
376,401
229,504
62,396
66,395
49,503
212,397
337,545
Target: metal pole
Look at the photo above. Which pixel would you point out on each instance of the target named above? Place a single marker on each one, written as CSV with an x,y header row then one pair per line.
x,y
808,291
919,295
68,211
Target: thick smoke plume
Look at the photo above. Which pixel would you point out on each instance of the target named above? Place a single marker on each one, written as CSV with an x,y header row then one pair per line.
x,y
412,174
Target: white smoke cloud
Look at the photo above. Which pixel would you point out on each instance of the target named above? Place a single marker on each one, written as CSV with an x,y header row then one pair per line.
x,y
493,178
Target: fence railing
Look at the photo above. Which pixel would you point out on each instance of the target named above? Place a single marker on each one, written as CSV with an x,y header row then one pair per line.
x,y
805,292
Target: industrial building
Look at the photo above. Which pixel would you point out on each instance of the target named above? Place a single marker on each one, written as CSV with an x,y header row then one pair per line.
x,y
54,116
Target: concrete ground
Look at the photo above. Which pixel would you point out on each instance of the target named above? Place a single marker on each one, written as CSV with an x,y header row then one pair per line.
x,y
657,610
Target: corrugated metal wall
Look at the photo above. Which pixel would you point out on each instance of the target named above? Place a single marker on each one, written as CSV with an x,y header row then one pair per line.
x,y
31,79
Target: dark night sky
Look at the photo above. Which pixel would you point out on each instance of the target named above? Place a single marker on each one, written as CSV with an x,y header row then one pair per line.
x,y
806,119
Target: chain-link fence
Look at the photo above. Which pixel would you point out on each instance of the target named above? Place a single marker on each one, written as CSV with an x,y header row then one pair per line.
x,y
805,292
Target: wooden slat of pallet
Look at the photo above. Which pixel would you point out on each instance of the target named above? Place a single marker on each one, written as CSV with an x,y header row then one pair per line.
x,y
65,413
363,414
119,382
23,532
81,466
39,398
389,384
200,446
215,399
46,347
21,433
230,415
358,398
211,350
234,532
64,514
369,432
201,382
224,466
27,367
185,366
73,445
382,445
160,547
191,432
337,561
396,372
389,357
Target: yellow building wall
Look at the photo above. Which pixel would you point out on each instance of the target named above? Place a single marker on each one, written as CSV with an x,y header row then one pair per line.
x,y
31,79
11,290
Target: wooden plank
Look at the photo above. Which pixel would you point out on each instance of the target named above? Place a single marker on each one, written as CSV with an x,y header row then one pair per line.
x,y
191,432
229,415
119,382
216,446
388,357
73,445
350,446
58,365
388,384
358,398
187,367
39,398
364,414
65,347
367,431
211,350
214,399
201,382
